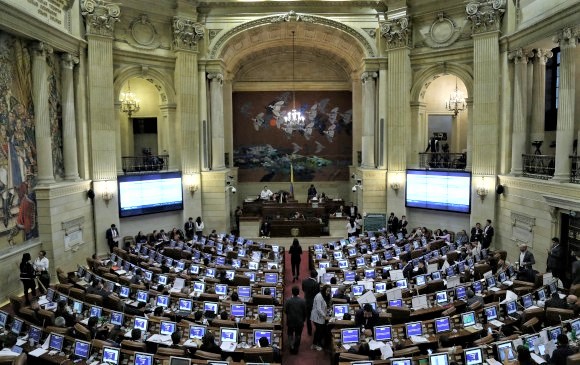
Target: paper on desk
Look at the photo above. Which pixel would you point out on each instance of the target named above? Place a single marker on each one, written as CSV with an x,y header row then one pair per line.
x,y
432,268
386,352
373,345
550,347
346,346
518,342
537,359
20,342
368,297
396,275
162,339
509,296
37,352
228,346
418,339
394,294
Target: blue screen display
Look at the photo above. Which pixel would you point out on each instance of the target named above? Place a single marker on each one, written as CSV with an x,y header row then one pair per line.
x,y
439,190
442,325
196,332
350,335
383,333
414,329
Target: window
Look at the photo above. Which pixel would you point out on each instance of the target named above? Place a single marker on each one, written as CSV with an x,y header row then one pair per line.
x,y
552,90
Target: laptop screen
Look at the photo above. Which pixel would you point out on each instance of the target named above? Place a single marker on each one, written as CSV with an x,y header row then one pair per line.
x,y
439,359
474,356
262,333
111,355
196,331
441,297
382,333
143,359
349,335
35,333
124,292
527,301
82,349
420,280
228,335
468,319
511,307
490,313
442,325
16,326
505,348
167,328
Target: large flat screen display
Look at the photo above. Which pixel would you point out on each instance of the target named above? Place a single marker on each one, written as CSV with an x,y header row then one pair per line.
x,y
439,190
149,193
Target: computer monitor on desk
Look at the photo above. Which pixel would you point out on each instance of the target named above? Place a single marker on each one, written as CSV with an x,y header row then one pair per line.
x,y
82,349
268,310
185,305
116,318
228,335
401,283
490,313
460,293
140,323
553,332
141,358
527,301
238,310
167,328
414,329
16,326
210,307
196,331
35,334
503,349
111,355
442,325
473,356
396,303
162,301
221,289
383,333
441,297
439,359
357,290
343,264
259,333
162,279
380,287
420,280
271,278
402,361
339,310
56,342
349,336
198,287
511,307
244,291
468,319
142,296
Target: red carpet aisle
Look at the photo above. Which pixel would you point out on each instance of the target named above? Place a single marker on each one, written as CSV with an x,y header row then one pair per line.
x,y
305,356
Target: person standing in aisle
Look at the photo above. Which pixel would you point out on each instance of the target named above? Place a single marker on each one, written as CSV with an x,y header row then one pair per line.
x,y
41,268
310,287
112,235
198,227
295,258
188,228
27,276
295,310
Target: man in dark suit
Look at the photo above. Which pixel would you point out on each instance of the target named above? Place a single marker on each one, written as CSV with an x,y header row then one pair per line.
x,y
310,287
366,317
112,235
555,259
487,234
295,309
188,228
352,210
476,233
526,259
403,225
393,223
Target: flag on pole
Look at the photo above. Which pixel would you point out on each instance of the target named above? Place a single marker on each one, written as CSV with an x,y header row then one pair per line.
x,y
291,179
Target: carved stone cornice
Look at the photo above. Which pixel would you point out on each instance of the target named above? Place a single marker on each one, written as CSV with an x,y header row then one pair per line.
x,y
100,17
567,37
41,49
520,55
485,15
216,76
397,32
542,56
368,76
68,60
186,34
290,17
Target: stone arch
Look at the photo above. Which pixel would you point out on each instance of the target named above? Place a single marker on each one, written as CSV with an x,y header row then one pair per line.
x,y
424,78
343,41
162,82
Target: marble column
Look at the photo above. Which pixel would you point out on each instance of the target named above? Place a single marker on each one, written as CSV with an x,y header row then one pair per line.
x,y
520,58
69,136
369,109
382,108
216,98
566,103
169,144
469,102
418,133
538,101
41,112
80,83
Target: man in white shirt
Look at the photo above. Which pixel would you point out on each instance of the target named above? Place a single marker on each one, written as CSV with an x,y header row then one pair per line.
x,y
266,193
41,268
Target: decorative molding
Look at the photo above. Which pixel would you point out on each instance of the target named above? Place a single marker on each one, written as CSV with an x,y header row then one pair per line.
x,y
567,37
212,33
485,15
397,32
40,49
100,17
186,34
368,76
443,32
542,56
372,32
290,17
72,225
562,202
69,61
61,190
216,76
142,33
520,55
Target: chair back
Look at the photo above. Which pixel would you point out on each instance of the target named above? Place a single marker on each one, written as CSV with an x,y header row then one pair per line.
x,y
260,299
167,352
556,315
133,345
82,332
94,299
204,355
260,355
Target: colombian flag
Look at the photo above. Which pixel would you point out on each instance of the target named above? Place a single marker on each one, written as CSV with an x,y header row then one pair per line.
x,y
291,179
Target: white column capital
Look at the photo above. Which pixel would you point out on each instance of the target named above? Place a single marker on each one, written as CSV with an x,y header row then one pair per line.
x,y
100,17
567,37
41,49
368,76
520,55
68,61
216,77
541,56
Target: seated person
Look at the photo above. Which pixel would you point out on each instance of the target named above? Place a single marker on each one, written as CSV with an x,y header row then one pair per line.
x,y
363,349
60,322
64,311
266,194
556,302
340,294
366,317
137,278
136,334
176,340
208,344
560,355
262,318
235,297
97,288
268,292
472,298
263,341
297,216
7,353
461,237
445,345
265,228
420,269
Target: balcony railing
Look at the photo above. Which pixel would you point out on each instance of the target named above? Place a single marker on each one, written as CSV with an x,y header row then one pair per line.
x,y
538,166
142,164
575,169
443,160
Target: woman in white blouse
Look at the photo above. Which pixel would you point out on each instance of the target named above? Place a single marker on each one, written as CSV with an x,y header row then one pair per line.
x,y
198,227
351,227
318,316
41,267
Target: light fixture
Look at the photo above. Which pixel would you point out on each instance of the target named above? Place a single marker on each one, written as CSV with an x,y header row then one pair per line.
x,y
129,102
456,102
294,119
107,194
192,189
395,183
481,190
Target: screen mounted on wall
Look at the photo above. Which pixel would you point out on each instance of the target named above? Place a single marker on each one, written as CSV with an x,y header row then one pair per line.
x,y
149,193
439,190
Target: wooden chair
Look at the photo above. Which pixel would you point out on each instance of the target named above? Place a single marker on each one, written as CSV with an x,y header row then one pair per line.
x,y
483,341
556,315
82,332
530,325
407,352
263,355
58,330
348,357
46,317
573,359
241,280
399,315
260,299
166,352
62,276
94,299
204,355
449,311
99,344
77,294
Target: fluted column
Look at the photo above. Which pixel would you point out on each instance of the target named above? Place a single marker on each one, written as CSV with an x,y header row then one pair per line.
x,y
217,120
520,58
41,112
186,36
418,134
80,83
169,143
69,136
369,108
538,102
566,103
469,102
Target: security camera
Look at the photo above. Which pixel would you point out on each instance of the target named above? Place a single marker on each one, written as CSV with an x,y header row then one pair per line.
x,y
359,181
228,182
354,189
233,190
353,176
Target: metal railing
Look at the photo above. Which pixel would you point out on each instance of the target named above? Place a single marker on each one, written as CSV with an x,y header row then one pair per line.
x,y
141,164
575,169
538,166
443,160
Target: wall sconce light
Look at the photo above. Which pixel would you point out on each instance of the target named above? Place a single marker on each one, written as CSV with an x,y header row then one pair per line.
x,y
395,185
107,194
358,184
192,189
481,189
